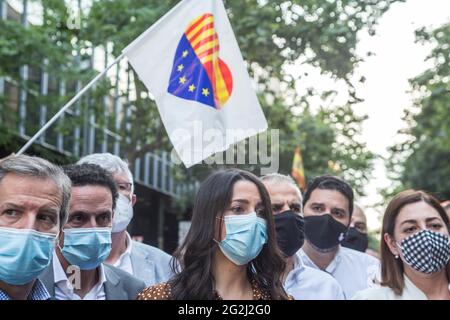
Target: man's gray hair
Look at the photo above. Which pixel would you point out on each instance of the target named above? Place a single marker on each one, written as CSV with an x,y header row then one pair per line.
x,y
29,166
110,163
281,178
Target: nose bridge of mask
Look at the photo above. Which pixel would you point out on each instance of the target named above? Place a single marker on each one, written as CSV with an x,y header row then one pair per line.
x,y
414,235
123,214
123,199
337,225
84,236
236,224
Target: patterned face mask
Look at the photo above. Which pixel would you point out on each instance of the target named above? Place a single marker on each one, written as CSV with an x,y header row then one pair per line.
x,y
426,251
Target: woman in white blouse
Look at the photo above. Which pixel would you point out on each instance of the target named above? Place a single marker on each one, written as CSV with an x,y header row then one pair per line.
x,y
415,250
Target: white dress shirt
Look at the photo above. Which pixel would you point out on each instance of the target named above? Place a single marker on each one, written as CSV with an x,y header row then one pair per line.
x,y
306,283
410,292
353,270
65,291
124,261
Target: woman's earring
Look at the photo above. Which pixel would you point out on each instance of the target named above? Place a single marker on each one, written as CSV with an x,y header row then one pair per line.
x,y
396,256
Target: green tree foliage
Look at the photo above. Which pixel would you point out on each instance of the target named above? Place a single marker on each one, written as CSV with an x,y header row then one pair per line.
x,y
422,161
271,35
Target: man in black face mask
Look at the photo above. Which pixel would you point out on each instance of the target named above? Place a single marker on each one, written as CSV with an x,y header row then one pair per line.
x,y
356,237
303,283
328,204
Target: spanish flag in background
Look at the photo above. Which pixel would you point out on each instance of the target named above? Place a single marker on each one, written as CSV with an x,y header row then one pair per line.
x,y
297,169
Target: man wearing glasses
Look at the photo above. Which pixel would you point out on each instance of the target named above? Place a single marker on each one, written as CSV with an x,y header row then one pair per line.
x,y
145,262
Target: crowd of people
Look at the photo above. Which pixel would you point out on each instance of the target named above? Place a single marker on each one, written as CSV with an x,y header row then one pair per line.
x,y
63,235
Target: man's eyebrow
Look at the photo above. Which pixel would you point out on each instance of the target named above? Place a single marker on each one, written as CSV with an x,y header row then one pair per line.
x,y
317,204
51,210
13,205
103,212
78,212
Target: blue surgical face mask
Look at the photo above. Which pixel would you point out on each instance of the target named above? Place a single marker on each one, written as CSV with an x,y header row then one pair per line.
x,y
245,237
86,248
24,254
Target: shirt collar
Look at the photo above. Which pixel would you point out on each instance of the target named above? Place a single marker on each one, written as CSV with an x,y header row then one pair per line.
x,y
331,268
334,264
298,262
129,245
299,267
38,292
61,277
127,252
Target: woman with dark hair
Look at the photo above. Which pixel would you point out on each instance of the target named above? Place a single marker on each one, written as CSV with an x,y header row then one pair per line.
x,y
415,250
230,251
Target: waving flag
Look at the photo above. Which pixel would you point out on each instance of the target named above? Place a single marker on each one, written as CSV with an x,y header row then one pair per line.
x,y
197,60
191,63
297,169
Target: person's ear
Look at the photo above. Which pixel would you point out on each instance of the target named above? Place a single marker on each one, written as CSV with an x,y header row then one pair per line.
x,y
133,199
392,245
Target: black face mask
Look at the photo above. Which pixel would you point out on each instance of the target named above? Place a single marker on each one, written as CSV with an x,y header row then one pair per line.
x,y
290,232
356,240
324,232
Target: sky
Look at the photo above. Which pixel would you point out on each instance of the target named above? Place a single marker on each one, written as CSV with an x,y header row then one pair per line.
x,y
386,89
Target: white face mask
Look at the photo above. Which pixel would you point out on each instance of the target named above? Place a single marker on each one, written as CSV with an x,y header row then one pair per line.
x,y
122,215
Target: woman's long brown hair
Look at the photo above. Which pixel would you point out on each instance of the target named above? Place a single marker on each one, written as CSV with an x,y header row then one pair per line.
x,y
193,279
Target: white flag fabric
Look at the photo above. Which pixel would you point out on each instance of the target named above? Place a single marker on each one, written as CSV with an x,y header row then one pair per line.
x,y
190,62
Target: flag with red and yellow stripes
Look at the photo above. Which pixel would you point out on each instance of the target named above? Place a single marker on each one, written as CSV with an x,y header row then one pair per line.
x,y
198,73
190,62
297,169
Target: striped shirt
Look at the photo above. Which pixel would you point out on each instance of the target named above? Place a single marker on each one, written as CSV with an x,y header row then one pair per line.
x,y
38,292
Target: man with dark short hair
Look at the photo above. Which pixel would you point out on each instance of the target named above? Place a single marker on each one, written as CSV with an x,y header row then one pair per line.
x,y
145,262
327,207
300,281
78,271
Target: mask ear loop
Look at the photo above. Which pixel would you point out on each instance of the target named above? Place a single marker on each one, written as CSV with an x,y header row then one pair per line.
x,y
57,239
399,246
218,242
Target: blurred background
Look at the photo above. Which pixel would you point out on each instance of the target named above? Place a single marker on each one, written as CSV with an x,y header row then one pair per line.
x,y
362,87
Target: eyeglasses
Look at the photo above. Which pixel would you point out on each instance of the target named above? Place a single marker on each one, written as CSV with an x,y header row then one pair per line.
x,y
125,186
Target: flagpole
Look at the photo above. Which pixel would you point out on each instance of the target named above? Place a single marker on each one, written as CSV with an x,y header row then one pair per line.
x,y
69,104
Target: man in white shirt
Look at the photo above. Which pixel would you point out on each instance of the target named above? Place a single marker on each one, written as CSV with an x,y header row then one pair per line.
x,y
65,289
145,262
77,271
328,204
300,281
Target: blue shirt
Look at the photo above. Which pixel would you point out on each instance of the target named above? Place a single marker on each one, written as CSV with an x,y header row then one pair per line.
x,y
306,283
353,270
38,292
